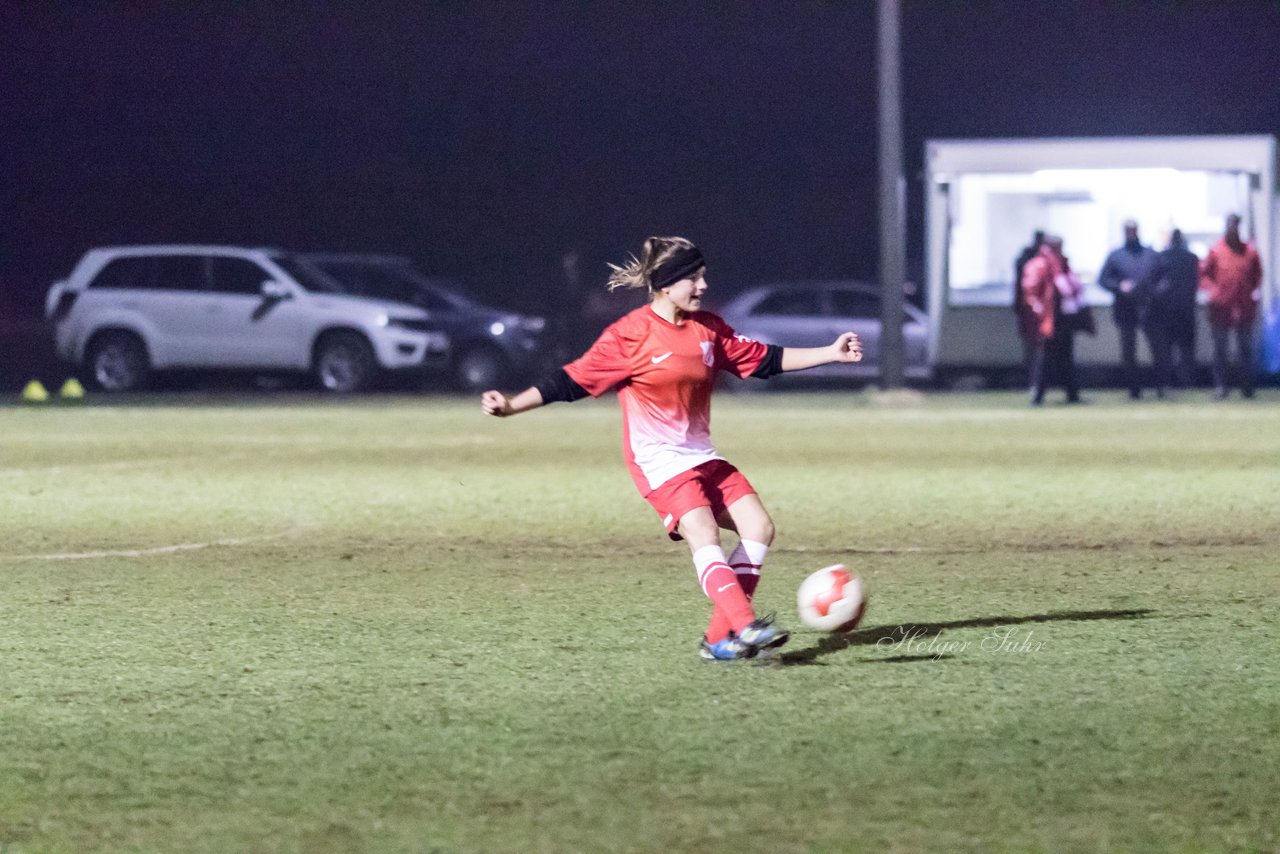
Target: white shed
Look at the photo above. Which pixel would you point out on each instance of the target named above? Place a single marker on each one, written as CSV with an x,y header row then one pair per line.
x,y
985,197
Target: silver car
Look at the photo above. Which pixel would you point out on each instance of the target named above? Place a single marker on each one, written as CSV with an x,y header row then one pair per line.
x,y
127,311
814,313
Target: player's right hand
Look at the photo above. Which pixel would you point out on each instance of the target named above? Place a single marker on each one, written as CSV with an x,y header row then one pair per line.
x,y
848,348
495,403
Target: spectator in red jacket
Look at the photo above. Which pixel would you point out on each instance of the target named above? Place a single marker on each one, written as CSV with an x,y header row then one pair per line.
x,y
1026,319
1055,296
1230,277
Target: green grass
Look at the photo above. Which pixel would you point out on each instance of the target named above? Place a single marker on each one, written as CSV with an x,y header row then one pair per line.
x,y
395,625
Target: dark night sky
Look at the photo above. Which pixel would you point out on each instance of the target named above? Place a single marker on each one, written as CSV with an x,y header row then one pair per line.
x,y
486,138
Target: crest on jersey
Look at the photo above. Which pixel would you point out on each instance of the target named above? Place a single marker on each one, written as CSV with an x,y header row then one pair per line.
x,y
708,353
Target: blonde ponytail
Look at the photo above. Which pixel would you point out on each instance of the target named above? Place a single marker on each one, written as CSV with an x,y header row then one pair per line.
x,y
638,271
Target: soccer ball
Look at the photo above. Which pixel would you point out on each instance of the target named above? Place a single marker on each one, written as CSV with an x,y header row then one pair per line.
x,y
832,599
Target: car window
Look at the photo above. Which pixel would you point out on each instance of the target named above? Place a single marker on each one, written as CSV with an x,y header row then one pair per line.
x,y
429,299
850,303
446,293
126,273
308,275
377,282
237,275
790,303
181,273
382,281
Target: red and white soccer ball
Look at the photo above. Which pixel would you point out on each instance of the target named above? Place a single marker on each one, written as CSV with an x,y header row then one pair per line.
x,y
832,599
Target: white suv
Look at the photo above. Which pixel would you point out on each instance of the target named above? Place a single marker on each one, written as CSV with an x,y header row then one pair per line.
x,y
126,311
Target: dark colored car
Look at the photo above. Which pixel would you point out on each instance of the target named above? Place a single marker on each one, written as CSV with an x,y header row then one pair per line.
x,y
491,347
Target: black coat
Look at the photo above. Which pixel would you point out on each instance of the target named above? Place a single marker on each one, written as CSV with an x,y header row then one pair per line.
x,y
1139,263
1174,297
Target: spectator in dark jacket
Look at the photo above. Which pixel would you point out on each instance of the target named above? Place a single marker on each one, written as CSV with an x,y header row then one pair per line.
x,y
1130,274
1171,313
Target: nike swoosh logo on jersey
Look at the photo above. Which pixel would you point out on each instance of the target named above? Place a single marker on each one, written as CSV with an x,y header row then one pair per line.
x,y
723,589
657,359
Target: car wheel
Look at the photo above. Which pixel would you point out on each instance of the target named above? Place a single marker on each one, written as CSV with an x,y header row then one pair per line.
x,y
480,369
344,362
118,362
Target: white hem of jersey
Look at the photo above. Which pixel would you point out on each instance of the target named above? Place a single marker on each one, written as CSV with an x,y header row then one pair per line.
x,y
682,462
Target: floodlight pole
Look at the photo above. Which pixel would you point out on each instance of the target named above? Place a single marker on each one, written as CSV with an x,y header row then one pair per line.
x,y
892,196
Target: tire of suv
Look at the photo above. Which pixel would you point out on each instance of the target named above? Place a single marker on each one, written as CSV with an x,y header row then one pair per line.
x,y
343,362
480,368
117,361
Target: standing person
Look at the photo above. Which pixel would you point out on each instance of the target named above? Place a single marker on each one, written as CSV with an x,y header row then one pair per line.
x,y
1171,314
1055,296
662,359
1023,316
1129,273
1231,276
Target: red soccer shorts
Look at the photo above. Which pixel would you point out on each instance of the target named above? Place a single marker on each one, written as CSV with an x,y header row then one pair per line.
x,y
715,484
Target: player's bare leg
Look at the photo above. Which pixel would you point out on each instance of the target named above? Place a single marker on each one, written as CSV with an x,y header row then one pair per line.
x,y
699,528
748,517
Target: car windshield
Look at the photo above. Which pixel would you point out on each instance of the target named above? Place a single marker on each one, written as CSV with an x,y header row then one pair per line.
x,y
396,282
308,275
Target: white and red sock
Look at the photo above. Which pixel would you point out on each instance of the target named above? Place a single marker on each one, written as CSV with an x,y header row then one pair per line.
x,y
720,583
745,562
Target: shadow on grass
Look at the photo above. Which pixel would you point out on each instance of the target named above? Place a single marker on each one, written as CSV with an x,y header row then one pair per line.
x,y
916,631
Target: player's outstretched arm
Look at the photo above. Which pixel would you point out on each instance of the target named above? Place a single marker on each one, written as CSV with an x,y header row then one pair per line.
x,y
555,386
498,404
846,348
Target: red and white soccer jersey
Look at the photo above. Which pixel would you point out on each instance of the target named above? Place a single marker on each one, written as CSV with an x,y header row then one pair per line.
x,y
664,373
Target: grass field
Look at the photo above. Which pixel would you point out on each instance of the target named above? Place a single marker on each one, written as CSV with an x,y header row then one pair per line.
x,y
395,625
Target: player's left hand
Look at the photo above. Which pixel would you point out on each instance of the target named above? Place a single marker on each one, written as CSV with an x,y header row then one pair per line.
x,y
848,348
495,403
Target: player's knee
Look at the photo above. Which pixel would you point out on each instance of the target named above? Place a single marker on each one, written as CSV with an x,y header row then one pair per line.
x,y
767,531
699,529
761,530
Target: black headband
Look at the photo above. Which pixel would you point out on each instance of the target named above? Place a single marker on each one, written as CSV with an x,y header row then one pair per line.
x,y
682,264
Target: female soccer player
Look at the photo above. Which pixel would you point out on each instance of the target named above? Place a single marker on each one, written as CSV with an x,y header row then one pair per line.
x,y
662,359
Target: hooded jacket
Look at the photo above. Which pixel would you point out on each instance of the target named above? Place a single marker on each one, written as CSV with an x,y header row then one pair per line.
x,y
1047,282
1230,279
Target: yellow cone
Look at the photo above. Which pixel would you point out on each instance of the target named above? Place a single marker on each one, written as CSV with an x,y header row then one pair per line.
x,y
71,389
34,392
